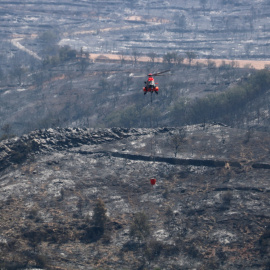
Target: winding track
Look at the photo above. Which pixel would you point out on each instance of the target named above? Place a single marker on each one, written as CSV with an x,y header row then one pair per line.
x,y
17,44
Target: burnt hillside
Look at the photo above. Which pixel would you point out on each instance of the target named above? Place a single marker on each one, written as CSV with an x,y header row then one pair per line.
x,y
208,210
79,141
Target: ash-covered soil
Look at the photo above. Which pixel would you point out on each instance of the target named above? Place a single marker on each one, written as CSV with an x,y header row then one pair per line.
x,y
208,210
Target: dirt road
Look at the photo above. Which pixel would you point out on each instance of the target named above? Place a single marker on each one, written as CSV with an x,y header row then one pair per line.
x,y
256,64
17,44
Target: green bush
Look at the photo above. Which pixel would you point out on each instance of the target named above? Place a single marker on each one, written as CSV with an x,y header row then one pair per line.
x,y
153,249
99,216
264,241
140,228
66,53
41,261
222,106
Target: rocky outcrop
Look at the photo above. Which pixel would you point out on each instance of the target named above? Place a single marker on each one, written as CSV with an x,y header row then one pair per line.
x,y
16,150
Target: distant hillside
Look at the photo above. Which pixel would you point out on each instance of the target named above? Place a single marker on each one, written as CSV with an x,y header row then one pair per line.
x,y
110,95
222,29
49,79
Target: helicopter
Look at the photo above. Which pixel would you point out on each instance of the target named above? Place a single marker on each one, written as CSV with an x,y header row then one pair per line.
x,y
150,85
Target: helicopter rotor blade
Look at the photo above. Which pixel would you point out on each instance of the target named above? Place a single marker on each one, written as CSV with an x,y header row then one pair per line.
x,y
161,72
136,76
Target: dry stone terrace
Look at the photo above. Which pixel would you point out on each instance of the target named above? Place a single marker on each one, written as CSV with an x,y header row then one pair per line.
x,y
232,30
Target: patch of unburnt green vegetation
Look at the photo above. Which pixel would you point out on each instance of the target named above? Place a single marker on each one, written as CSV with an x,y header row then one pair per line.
x,y
222,106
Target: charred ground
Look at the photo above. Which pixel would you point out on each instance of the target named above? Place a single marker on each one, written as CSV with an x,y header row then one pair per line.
x,y
210,207
209,212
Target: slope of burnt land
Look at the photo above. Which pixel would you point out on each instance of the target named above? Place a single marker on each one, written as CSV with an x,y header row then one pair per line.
x,y
197,216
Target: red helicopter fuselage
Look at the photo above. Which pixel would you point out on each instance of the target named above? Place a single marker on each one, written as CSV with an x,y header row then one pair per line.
x,y
150,85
